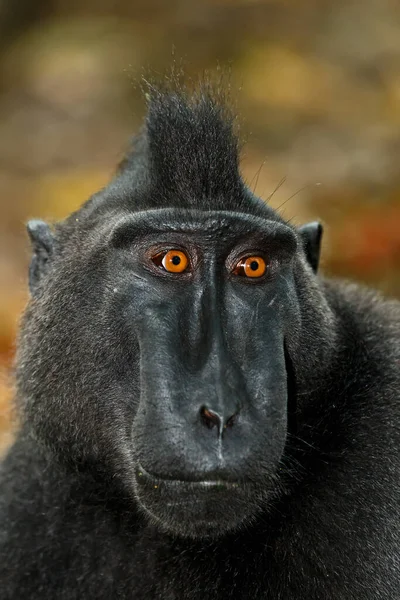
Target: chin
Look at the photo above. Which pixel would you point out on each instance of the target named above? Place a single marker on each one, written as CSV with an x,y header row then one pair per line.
x,y
198,509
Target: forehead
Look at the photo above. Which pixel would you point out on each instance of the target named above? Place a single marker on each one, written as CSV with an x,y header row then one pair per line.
x,y
209,224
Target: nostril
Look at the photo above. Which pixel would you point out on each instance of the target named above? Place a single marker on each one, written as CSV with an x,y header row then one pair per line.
x,y
230,422
210,418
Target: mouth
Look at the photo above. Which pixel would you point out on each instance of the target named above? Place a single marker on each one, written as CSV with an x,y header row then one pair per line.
x,y
202,508
210,484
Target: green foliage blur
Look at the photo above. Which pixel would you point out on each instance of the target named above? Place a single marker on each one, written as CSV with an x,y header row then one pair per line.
x,y
316,84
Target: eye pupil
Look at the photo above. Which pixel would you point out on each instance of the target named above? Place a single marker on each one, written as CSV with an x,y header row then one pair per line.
x,y
176,260
254,265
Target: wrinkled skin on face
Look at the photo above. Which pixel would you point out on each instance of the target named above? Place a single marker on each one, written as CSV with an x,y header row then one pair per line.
x,y
208,340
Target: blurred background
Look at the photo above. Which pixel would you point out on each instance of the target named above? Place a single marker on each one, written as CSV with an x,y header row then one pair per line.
x,y
316,84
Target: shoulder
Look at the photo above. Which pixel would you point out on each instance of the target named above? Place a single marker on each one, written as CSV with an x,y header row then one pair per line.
x,y
371,310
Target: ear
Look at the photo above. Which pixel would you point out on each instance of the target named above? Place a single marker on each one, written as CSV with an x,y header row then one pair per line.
x,y
42,241
311,235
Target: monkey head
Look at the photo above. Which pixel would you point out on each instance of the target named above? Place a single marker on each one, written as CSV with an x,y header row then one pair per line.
x,y
164,343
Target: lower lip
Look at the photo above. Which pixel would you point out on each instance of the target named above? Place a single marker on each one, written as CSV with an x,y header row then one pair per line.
x,y
212,485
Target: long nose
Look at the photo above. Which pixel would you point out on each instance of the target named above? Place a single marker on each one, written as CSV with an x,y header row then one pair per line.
x,y
221,389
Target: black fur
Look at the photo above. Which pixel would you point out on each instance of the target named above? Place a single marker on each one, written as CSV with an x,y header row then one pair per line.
x,y
118,363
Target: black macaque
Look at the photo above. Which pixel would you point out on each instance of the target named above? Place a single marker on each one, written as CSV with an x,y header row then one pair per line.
x,y
202,416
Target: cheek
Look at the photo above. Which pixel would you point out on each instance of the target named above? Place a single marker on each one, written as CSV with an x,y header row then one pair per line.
x,y
256,338
267,390
263,364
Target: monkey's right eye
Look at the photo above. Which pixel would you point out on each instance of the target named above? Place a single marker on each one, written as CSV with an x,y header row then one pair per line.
x,y
173,261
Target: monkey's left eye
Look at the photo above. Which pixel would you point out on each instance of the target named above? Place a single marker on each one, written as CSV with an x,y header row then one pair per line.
x,y
173,261
252,266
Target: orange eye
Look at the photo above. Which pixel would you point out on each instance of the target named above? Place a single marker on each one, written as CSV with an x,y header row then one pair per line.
x,y
173,261
252,266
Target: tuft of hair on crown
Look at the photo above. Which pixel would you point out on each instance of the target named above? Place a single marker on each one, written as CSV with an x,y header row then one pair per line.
x,y
190,138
